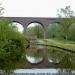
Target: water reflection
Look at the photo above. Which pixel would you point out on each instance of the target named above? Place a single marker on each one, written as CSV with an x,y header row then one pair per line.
x,y
54,55
63,59
34,60
34,55
58,57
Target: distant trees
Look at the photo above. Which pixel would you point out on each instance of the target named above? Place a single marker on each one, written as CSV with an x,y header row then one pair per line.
x,y
67,22
65,28
36,30
39,31
54,31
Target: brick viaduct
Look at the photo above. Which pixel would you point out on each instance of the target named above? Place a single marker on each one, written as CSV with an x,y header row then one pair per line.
x,y
25,21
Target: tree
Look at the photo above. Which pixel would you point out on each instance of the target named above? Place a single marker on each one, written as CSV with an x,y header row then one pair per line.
x,y
12,47
39,31
29,31
36,30
67,21
54,31
66,12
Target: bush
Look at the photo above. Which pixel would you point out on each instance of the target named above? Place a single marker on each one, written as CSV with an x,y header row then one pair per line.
x,y
12,47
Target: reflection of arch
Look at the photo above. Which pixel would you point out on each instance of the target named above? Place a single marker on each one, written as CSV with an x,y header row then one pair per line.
x,y
34,60
34,55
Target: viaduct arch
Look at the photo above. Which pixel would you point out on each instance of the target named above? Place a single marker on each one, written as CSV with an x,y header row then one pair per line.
x,y
25,21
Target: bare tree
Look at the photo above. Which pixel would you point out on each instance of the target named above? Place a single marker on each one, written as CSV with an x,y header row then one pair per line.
x,y
1,9
66,12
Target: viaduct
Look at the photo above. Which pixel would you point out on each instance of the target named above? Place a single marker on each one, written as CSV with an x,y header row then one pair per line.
x,y
25,21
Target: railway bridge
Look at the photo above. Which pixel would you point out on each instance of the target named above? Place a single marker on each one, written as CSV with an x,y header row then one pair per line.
x,y
25,21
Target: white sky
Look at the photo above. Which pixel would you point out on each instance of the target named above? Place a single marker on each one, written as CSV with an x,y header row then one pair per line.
x,y
34,8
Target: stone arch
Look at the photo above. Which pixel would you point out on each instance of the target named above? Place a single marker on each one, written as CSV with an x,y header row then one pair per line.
x,y
18,26
35,23
53,28
26,20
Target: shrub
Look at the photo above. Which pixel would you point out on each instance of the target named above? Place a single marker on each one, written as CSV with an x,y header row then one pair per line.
x,y
12,47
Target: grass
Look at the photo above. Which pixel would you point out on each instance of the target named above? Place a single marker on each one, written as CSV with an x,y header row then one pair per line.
x,y
63,44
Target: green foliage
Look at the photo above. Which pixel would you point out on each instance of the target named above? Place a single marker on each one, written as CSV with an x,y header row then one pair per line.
x,y
12,47
67,22
62,29
55,54
37,30
61,44
29,31
71,35
64,59
55,31
14,27
67,62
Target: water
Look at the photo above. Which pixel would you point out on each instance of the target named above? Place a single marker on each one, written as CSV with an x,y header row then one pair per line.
x,y
57,61
44,72
57,57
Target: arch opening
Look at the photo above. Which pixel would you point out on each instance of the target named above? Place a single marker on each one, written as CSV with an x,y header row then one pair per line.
x,y
17,26
35,30
55,31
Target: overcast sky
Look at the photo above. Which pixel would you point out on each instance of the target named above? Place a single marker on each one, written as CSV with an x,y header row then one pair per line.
x,y
34,8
